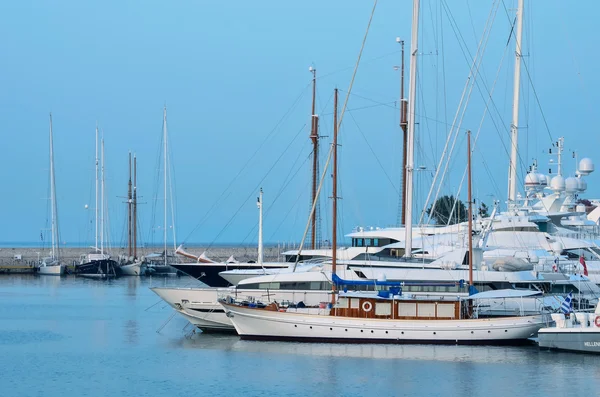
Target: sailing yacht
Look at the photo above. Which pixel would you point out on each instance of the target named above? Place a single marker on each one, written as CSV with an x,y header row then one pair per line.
x,y
97,263
131,265
51,265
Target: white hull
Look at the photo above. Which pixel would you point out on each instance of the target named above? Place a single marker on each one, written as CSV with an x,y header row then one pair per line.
x,y
261,324
132,269
52,270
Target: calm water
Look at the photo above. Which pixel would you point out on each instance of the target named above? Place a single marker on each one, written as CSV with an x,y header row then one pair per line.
x,y
77,337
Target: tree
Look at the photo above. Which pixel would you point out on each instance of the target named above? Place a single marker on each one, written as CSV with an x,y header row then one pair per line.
x,y
443,210
483,210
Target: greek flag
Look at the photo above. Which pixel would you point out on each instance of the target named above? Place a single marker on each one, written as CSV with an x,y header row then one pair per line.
x,y
565,307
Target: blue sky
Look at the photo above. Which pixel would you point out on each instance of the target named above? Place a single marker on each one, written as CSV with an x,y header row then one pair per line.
x,y
230,71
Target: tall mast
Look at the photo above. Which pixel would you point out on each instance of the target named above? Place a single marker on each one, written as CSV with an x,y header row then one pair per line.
x,y
134,206
53,196
314,137
260,227
96,207
404,127
412,87
129,211
470,202
102,197
334,192
514,127
165,177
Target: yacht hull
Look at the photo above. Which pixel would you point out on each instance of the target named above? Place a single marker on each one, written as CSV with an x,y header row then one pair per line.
x,y
208,273
131,269
261,324
585,340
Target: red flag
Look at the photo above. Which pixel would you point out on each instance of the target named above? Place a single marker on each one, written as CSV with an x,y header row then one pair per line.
x,y
582,261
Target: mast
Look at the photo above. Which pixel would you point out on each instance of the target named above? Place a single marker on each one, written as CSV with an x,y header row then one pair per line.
x,y
102,198
314,137
96,225
129,211
404,127
412,91
470,202
514,127
165,177
334,193
134,205
53,196
259,204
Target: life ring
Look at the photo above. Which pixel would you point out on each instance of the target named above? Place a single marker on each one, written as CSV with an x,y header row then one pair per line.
x,y
597,321
367,306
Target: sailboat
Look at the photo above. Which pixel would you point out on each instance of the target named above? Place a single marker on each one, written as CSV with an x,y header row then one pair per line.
x,y
386,315
131,265
51,265
97,263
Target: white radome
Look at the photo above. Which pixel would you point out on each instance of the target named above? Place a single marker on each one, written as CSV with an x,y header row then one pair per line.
x,y
558,183
85,206
586,166
571,185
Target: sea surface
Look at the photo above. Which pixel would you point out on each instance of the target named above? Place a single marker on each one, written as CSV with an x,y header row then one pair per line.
x,y
76,337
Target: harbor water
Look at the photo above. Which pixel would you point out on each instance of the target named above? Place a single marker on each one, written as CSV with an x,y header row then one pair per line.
x,y
70,336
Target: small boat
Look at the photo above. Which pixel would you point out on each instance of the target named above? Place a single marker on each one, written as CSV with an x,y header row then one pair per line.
x,y
574,331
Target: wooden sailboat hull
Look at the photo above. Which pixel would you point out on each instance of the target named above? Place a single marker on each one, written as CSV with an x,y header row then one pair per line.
x,y
261,324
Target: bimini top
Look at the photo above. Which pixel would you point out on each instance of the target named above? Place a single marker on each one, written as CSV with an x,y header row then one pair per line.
x,y
503,293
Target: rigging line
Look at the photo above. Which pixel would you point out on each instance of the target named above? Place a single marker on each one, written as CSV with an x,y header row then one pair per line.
x,y
244,202
374,154
465,96
537,99
290,211
364,62
485,112
244,167
371,100
459,35
288,180
362,47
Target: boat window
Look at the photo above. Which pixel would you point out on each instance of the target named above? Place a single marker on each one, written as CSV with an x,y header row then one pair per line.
x,y
426,310
354,303
445,310
407,309
383,309
376,242
342,303
269,286
368,242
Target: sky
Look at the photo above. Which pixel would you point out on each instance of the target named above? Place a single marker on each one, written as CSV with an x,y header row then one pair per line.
x,y
235,80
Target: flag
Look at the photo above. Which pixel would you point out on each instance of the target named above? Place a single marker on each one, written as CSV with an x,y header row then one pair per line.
x,y
582,261
565,307
555,265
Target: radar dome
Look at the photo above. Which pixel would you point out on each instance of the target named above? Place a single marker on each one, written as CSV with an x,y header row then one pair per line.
x,y
544,180
571,185
532,181
557,183
586,166
582,185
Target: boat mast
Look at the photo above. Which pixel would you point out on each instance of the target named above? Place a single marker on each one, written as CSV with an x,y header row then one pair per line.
x,y
470,203
165,177
404,127
53,196
96,224
102,198
260,227
314,137
514,129
134,204
334,194
412,87
129,211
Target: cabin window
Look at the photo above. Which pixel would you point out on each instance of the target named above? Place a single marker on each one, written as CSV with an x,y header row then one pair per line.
x,y
269,286
342,303
375,242
445,310
354,303
383,309
426,310
406,309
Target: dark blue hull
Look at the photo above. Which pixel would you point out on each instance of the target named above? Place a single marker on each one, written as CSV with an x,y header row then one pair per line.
x,y
101,269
